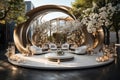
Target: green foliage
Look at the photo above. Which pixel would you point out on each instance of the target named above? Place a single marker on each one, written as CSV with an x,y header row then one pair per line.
x,y
13,10
93,5
79,5
82,3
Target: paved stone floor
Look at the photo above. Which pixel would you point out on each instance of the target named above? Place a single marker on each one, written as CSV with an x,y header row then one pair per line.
x,y
10,72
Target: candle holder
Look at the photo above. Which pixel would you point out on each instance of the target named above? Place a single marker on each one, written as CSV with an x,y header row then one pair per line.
x,y
60,52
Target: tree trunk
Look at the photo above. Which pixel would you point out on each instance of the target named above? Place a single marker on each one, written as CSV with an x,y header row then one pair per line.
x,y
117,36
106,35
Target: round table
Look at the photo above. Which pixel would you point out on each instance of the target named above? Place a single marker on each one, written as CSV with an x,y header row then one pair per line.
x,y
58,58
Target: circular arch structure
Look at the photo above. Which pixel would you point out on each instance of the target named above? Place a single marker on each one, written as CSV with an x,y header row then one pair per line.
x,y
21,31
21,40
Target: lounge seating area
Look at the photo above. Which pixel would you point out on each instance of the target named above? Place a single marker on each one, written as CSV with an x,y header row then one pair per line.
x,y
53,47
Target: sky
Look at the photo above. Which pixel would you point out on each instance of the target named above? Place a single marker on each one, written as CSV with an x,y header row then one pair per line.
x,y
49,16
37,3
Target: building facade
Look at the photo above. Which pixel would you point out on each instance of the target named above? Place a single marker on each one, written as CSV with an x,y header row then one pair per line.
x,y
28,6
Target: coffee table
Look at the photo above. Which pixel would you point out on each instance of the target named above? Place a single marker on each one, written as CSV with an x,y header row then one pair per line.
x,y
53,56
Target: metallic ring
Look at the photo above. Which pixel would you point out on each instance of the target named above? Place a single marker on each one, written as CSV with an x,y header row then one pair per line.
x,y
21,38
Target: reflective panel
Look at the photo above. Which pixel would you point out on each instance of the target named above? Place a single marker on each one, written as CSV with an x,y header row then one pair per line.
x,y
58,32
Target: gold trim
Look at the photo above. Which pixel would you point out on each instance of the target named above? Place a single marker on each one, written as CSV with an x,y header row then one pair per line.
x,y
21,38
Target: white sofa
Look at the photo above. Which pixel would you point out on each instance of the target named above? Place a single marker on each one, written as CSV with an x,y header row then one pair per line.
x,y
81,50
35,49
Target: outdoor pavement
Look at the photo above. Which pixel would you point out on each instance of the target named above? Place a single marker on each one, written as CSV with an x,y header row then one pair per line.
x,y
11,72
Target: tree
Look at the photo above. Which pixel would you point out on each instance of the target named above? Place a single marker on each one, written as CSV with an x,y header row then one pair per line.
x,y
115,18
12,10
78,6
116,24
84,8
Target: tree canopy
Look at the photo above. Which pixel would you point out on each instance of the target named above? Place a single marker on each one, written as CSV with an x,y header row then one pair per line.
x,y
12,10
79,5
106,13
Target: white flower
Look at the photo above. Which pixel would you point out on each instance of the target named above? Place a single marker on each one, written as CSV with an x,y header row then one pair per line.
x,y
103,15
84,20
99,25
87,10
106,23
93,29
102,9
89,30
109,4
112,9
93,21
95,15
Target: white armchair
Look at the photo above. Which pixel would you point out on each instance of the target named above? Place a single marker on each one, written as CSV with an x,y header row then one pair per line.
x,y
35,49
65,46
81,50
52,46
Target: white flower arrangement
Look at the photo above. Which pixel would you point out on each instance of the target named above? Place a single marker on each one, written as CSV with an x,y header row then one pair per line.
x,y
103,17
